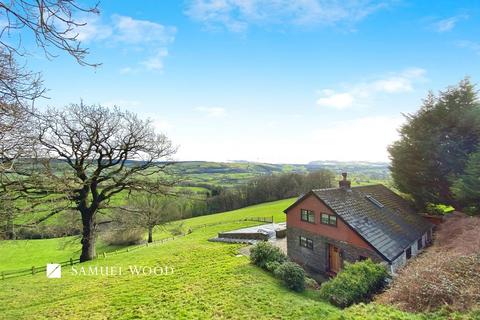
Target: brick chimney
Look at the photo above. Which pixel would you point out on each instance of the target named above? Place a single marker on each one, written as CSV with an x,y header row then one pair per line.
x,y
344,184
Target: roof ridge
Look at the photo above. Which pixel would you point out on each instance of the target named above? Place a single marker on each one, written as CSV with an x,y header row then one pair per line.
x,y
355,187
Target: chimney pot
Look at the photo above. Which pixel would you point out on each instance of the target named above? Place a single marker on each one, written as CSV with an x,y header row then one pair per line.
x,y
344,184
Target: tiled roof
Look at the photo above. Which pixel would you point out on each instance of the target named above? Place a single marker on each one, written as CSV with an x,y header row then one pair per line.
x,y
390,227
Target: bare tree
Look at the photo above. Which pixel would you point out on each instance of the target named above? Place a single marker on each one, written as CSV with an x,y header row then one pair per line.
x,y
54,24
92,153
147,211
17,87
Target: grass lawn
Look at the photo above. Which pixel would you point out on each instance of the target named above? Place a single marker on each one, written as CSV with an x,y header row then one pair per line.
x,y
209,281
23,254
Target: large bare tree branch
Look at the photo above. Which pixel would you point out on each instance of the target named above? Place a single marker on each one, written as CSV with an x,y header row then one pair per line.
x,y
93,153
53,24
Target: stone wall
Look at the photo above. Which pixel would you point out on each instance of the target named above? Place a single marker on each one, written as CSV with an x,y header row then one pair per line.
x,y
244,236
317,259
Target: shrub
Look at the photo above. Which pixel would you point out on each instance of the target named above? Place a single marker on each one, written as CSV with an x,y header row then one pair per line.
x,y
311,283
439,209
47,232
292,275
377,311
264,252
123,237
272,265
356,283
447,274
177,229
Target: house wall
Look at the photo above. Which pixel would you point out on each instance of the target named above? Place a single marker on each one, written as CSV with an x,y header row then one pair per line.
x,y
316,259
341,232
402,259
351,245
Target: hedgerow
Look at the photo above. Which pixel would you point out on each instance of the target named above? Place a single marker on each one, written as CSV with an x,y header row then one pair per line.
x,y
357,282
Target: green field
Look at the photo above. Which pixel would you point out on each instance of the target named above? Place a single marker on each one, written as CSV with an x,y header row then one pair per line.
x,y
21,254
209,281
229,174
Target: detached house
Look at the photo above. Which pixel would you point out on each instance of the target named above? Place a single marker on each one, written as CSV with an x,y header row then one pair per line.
x,y
326,227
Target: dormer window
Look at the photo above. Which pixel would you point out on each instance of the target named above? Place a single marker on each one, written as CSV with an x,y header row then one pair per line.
x,y
307,215
329,219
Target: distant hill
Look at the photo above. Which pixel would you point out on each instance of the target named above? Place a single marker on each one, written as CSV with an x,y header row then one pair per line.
x,y
237,172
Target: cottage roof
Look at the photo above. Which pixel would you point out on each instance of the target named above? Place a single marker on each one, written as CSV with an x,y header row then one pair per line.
x,y
378,215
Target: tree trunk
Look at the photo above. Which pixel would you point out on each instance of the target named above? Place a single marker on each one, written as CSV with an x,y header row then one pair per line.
x,y
10,229
150,234
88,236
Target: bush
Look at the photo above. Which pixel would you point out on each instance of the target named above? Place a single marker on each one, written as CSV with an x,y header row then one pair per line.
x,y
356,283
446,274
177,229
264,253
47,232
292,275
439,209
311,283
377,311
272,265
123,237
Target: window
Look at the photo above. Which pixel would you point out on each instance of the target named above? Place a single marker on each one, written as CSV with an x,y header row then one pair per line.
x,y
419,244
374,201
408,253
307,215
328,219
306,242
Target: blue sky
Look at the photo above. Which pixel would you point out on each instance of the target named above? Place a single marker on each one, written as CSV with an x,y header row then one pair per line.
x,y
276,81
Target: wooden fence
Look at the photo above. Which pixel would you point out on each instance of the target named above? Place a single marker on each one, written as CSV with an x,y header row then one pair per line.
x,y
34,270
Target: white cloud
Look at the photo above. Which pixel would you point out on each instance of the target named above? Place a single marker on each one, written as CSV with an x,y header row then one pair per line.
x,y
149,38
335,100
93,30
360,93
133,31
214,112
448,24
237,15
359,139
474,46
155,62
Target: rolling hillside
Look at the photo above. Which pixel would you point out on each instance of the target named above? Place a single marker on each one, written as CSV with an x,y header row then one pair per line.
x,y
209,281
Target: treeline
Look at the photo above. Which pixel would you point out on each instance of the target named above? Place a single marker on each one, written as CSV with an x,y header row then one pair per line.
x,y
263,189
437,159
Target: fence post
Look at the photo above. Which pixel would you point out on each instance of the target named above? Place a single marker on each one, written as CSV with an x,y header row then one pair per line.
x,y
104,255
71,261
3,275
272,219
33,270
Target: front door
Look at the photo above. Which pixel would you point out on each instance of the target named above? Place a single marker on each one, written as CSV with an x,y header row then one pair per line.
x,y
334,259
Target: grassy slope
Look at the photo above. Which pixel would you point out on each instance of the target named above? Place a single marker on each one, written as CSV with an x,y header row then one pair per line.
x,y
27,253
210,281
